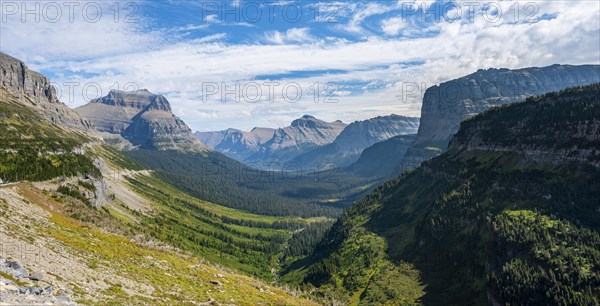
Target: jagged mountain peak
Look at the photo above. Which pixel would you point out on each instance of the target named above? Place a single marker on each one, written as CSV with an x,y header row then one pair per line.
x,y
268,144
357,136
308,121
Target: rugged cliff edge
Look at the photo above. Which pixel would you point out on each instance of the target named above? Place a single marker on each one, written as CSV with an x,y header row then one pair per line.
x,y
16,78
446,105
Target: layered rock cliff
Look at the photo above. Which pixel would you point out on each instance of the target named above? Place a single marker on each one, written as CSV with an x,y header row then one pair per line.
x,y
142,118
551,128
35,88
446,105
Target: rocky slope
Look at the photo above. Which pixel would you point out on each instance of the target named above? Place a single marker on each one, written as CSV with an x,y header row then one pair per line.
x,y
143,119
446,105
17,79
356,137
237,144
491,221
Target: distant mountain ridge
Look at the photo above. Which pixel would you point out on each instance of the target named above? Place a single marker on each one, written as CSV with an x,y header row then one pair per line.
x,y
273,145
446,105
142,118
356,137
381,160
235,143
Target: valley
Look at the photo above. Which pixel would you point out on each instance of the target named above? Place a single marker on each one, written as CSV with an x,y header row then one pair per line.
x,y
363,153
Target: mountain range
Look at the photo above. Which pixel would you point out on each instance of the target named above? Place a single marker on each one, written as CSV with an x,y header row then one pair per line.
x,y
356,137
309,142
124,205
265,145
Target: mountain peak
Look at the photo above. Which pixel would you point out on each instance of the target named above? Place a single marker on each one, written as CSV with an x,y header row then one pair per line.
x,y
138,99
143,118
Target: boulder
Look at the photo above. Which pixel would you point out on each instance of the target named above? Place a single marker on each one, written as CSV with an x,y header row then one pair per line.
x,y
35,276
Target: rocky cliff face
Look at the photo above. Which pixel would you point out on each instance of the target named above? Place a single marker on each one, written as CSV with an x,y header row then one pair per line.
x,y
551,128
142,118
235,143
446,105
356,137
35,88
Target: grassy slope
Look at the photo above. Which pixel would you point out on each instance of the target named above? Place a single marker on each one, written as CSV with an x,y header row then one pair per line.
x,y
31,148
470,226
137,273
38,151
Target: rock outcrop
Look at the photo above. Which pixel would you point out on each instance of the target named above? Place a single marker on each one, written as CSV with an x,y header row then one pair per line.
x,y
27,293
356,137
37,89
142,118
569,132
446,105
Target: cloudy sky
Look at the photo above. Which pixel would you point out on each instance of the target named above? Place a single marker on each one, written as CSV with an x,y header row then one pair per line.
x,y
263,63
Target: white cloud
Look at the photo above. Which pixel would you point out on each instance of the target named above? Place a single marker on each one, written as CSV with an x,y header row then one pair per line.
x,y
107,53
293,35
392,26
73,34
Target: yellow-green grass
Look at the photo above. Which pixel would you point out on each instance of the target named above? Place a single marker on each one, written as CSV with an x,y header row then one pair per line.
x,y
175,277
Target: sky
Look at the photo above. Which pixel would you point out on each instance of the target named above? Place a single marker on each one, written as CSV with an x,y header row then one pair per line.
x,y
241,64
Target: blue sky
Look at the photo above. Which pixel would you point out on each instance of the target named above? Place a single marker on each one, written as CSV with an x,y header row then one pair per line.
x,y
350,60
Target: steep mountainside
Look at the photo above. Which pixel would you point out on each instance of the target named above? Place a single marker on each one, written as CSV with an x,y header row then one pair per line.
x,y
237,144
356,137
302,135
509,215
142,118
383,158
446,105
36,89
80,222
